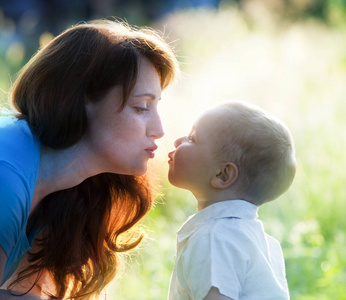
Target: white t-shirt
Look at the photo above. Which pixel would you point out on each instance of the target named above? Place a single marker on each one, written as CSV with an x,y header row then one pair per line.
x,y
225,246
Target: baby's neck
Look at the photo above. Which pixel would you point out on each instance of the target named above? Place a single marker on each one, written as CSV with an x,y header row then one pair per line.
x,y
214,196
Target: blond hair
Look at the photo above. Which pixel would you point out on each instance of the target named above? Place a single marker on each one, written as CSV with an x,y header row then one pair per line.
x,y
261,146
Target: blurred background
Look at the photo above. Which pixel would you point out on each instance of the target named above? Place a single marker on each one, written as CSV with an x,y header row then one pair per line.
x,y
288,56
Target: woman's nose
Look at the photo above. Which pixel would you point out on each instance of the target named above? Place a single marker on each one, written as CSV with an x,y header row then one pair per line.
x,y
178,141
155,128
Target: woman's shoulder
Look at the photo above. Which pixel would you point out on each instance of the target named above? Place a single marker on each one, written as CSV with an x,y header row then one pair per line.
x,y
18,145
5,295
14,128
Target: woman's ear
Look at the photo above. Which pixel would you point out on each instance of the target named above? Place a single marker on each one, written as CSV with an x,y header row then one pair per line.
x,y
225,177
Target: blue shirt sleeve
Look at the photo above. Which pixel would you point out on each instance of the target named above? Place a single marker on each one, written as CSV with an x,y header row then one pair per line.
x,y
13,210
19,162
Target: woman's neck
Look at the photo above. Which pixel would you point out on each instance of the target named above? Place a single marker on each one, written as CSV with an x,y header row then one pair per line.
x,y
62,169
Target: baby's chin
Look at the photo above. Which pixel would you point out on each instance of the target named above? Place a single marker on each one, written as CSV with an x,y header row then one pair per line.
x,y
170,177
174,182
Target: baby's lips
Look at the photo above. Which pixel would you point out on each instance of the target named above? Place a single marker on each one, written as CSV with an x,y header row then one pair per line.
x,y
170,155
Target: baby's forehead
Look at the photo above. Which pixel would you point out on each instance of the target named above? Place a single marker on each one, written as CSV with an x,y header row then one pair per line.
x,y
213,126
213,119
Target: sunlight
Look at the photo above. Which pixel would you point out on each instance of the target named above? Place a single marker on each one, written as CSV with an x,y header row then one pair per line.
x,y
293,69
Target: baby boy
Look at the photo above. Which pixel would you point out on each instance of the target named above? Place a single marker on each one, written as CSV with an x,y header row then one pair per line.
x,y
236,158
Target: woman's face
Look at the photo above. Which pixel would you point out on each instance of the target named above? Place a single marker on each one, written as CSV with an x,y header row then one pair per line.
x,y
122,141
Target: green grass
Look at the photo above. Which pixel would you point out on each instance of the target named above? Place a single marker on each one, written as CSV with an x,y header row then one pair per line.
x,y
297,72
294,70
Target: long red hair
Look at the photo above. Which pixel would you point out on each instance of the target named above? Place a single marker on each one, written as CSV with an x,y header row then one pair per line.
x,y
82,227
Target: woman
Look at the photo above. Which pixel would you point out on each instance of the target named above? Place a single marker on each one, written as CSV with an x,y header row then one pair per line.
x,y
71,162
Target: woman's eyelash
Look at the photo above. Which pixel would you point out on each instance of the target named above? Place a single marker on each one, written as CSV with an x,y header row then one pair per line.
x,y
141,109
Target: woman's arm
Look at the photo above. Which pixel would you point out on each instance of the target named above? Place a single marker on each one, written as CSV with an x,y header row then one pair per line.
x,y
3,259
214,294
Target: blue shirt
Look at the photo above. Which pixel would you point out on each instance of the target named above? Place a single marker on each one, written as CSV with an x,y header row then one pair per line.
x,y
19,161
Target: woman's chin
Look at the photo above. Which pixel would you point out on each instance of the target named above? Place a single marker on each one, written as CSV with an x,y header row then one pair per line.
x,y
140,171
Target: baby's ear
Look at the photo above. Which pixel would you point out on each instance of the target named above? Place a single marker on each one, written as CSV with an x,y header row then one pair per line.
x,y
225,177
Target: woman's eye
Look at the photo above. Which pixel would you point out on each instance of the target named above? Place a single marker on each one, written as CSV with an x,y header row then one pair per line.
x,y
141,109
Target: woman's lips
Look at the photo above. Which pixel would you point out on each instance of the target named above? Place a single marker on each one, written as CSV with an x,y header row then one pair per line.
x,y
151,150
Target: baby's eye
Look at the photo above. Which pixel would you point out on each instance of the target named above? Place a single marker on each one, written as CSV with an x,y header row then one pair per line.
x,y
190,138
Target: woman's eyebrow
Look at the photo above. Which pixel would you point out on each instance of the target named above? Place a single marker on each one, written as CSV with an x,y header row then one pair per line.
x,y
149,95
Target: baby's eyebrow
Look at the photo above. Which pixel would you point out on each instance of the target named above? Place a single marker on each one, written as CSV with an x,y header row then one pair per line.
x,y
192,131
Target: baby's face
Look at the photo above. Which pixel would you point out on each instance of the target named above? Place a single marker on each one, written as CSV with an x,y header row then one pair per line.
x,y
194,161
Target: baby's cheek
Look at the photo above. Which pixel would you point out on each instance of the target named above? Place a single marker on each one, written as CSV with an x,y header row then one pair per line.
x,y
181,159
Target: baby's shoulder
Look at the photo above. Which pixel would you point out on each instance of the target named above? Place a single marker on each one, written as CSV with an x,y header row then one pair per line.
x,y
222,231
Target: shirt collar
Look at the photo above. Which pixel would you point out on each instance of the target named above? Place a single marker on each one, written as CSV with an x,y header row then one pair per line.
x,y
225,209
